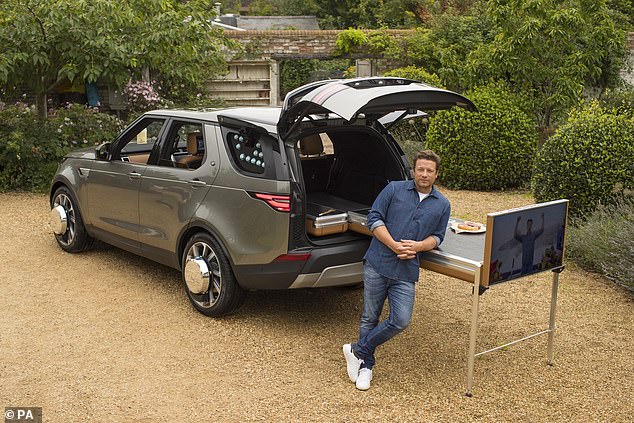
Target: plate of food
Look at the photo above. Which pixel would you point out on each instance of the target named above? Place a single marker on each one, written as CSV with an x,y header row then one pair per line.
x,y
468,227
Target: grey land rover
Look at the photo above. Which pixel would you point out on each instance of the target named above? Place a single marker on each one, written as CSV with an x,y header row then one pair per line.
x,y
244,199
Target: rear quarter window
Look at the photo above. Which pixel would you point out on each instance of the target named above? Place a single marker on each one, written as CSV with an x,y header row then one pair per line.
x,y
254,154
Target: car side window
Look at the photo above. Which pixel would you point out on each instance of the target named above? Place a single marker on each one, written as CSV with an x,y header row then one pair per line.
x,y
252,150
184,146
137,144
247,151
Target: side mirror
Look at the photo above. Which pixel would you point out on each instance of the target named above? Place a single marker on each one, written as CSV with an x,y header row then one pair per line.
x,y
102,152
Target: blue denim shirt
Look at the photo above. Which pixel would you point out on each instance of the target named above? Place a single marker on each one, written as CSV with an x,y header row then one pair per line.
x,y
399,209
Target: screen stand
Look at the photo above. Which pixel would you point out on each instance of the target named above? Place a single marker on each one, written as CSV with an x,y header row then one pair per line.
x,y
471,355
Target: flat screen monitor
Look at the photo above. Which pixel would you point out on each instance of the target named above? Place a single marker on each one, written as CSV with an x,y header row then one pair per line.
x,y
523,241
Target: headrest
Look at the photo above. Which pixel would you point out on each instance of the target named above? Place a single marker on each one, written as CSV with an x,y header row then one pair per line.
x,y
194,141
311,145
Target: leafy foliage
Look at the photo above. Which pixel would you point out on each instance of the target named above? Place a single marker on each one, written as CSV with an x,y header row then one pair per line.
x,y
417,74
485,150
604,243
550,49
295,73
545,50
30,149
589,160
621,101
350,40
48,42
445,46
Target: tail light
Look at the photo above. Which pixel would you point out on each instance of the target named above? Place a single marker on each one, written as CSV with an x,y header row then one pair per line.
x,y
276,202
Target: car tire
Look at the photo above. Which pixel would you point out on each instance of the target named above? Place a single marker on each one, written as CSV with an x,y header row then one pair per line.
x,y
209,281
75,238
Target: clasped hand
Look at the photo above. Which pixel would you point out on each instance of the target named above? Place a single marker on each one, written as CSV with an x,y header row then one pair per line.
x,y
405,249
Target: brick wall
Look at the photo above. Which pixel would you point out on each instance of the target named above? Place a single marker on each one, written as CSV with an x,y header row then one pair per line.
x,y
296,44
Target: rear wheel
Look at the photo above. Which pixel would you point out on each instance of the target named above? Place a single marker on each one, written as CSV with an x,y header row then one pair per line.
x,y
209,281
67,223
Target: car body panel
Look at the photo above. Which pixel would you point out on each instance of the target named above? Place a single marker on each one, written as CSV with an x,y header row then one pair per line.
x,y
169,197
112,193
243,223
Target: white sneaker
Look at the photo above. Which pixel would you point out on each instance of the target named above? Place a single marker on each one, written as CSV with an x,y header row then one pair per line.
x,y
352,362
363,381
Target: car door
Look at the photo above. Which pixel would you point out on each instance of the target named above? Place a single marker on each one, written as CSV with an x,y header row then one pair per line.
x,y
174,184
112,186
374,97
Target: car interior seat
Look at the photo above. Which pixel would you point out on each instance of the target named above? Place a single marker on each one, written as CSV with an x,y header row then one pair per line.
x,y
195,151
312,145
315,164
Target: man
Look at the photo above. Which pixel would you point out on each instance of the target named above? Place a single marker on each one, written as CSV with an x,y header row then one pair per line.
x,y
528,242
407,217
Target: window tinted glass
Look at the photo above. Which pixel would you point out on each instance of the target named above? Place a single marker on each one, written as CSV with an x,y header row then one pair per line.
x,y
253,151
248,151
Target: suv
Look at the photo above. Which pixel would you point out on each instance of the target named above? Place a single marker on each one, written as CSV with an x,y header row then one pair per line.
x,y
245,198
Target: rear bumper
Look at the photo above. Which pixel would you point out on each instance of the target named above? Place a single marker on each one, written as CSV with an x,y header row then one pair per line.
x,y
336,265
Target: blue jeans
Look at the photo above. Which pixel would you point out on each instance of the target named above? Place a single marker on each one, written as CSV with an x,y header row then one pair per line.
x,y
400,297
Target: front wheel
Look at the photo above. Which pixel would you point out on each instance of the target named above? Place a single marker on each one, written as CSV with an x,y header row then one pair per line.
x,y
209,281
67,223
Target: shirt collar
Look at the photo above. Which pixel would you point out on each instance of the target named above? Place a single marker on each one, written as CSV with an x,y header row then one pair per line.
x,y
412,187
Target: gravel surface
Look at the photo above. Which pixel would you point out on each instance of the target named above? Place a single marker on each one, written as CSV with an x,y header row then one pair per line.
x,y
105,336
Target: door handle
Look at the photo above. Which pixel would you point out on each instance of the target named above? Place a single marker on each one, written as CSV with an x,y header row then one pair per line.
x,y
134,175
198,183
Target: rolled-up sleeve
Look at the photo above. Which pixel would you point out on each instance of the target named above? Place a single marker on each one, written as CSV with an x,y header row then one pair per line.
x,y
377,215
441,229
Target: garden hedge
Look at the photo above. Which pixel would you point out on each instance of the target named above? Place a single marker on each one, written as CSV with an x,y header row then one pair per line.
x,y
589,160
490,149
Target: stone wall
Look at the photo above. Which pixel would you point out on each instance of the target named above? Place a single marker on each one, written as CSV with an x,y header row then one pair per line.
x,y
297,44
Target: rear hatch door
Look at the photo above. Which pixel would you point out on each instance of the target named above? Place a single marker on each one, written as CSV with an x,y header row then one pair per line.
x,y
375,97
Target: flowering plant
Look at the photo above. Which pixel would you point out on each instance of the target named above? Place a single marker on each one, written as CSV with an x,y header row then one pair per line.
x,y
141,96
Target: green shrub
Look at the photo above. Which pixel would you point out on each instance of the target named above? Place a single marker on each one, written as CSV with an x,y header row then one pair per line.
x,y
417,74
350,40
410,133
589,160
79,126
620,100
490,149
30,149
604,243
26,147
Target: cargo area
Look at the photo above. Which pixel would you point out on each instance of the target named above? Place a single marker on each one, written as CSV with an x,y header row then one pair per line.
x,y
344,169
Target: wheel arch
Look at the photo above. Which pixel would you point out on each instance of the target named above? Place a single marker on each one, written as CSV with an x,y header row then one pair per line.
x,y
57,183
192,230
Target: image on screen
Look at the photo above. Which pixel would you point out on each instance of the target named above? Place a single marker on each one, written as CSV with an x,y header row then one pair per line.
x,y
525,241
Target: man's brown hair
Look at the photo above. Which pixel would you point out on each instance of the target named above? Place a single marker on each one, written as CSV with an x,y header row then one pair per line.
x,y
426,155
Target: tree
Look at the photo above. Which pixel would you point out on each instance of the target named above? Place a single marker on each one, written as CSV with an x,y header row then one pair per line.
x,y
551,49
47,42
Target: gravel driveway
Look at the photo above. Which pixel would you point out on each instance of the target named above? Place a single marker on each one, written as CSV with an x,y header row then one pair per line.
x,y
105,336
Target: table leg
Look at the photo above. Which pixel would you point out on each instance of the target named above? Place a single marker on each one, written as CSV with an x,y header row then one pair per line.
x,y
553,310
474,332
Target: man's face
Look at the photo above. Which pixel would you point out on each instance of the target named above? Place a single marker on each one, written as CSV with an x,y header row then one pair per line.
x,y
425,174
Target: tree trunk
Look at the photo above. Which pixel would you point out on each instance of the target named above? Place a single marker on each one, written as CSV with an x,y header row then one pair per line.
x,y
40,105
